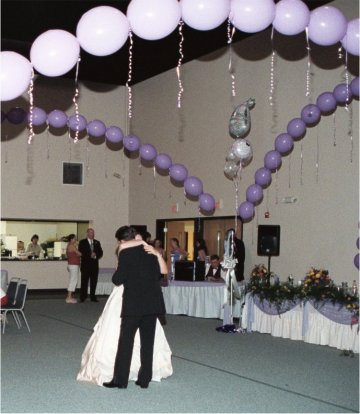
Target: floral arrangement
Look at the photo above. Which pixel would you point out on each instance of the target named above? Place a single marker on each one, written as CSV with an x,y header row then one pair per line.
x,y
259,274
317,277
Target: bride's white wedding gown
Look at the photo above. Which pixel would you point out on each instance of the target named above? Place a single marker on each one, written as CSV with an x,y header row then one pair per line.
x,y
98,358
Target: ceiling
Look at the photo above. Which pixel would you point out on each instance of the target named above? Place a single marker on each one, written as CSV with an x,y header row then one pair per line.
x,y
23,20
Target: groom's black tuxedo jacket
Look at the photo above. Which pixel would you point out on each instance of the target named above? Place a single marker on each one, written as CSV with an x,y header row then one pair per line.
x,y
139,272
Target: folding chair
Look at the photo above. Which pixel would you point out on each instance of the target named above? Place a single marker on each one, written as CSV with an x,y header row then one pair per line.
x,y
11,293
18,306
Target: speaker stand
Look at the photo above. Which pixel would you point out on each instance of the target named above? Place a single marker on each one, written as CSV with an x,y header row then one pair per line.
x,y
269,258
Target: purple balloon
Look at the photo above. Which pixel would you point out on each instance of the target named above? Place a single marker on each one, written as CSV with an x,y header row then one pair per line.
x,y
351,39
38,116
310,114
342,93
3,116
114,134
263,177
291,17
57,118
206,202
96,128
77,123
326,102
296,128
148,152
272,160
193,186
356,260
131,142
163,161
357,243
284,143
327,25
246,210
354,87
16,116
178,172
254,194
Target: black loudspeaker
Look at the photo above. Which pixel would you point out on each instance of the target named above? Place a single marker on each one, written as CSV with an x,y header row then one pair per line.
x,y
268,240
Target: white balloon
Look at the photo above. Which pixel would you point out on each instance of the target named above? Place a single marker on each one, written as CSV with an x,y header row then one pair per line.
x,y
242,149
102,30
54,52
291,17
251,16
153,19
15,75
204,14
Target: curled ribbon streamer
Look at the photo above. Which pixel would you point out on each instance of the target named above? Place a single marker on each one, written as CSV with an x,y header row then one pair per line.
x,y
154,175
301,163
31,99
105,162
317,156
308,69
289,170
334,128
47,142
75,101
350,132
272,96
230,35
181,89
140,169
276,187
130,76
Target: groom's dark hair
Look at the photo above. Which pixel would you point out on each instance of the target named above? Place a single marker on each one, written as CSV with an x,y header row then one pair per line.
x,y
125,233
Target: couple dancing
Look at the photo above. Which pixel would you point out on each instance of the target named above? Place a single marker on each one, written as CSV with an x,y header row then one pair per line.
x,y
128,342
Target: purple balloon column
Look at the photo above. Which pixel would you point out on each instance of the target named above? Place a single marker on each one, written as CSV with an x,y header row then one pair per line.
x,y
57,118
272,160
206,202
114,135
131,142
254,194
354,87
96,128
178,172
38,116
342,93
284,143
310,114
77,123
296,128
193,186
246,210
326,102
263,177
163,161
148,152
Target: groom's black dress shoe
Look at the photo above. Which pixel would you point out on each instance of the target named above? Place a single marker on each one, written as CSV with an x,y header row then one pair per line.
x,y
141,385
112,384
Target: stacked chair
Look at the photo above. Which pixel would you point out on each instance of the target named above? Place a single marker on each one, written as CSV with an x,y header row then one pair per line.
x,y
17,293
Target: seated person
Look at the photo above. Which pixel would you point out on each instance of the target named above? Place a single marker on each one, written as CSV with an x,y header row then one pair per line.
x,y
214,271
33,248
4,298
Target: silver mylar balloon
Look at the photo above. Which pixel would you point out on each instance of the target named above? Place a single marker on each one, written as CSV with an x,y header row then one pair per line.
x,y
242,149
232,156
231,169
240,122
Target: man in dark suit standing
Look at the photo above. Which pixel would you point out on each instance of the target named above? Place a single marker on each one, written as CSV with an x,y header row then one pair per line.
x,y
91,252
143,302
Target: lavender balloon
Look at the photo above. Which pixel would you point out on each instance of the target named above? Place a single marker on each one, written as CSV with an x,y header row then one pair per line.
x,y
193,186
114,135
263,177
38,116
206,202
327,25
342,93
272,160
296,128
77,123
357,243
178,172
96,128
352,37
246,210
163,161
326,102
284,143
291,17
131,142
57,118
354,87
16,116
356,260
254,194
310,114
148,152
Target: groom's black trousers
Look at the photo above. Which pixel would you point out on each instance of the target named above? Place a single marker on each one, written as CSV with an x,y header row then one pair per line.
x,y
129,325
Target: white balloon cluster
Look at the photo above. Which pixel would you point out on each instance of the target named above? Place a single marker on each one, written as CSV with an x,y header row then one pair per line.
x,y
104,30
240,152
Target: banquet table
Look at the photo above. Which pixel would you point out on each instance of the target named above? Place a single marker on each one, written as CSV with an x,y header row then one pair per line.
x,y
198,299
321,323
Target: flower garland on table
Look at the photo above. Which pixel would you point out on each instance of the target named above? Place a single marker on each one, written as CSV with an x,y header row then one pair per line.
x,y
317,285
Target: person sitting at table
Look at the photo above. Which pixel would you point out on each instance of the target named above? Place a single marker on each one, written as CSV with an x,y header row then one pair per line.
x,y
214,272
34,249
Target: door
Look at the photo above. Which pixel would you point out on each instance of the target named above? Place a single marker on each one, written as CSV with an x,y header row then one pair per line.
x,y
174,229
214,234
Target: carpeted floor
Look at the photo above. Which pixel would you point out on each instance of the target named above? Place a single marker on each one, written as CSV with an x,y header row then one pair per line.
x,y
213,371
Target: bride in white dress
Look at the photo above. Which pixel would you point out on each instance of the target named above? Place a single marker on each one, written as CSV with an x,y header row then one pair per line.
x,y
98,358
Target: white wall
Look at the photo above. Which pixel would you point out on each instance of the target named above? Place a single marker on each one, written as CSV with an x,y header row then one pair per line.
x,y
322,227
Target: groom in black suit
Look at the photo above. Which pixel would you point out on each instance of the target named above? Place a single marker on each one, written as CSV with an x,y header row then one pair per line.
x,y
143,302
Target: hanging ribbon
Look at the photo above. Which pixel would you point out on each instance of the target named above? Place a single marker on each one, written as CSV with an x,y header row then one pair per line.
x,y
230,35
130,76
31,99
308,69
301,163
75,101
154,176
317,155
181,89
272,96
289,171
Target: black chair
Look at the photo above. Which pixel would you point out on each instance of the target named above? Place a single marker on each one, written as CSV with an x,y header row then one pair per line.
x,y
18,307
11,293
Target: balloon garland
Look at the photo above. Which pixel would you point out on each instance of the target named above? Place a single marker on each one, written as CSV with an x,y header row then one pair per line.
x,y
326,103
104,30
193,186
